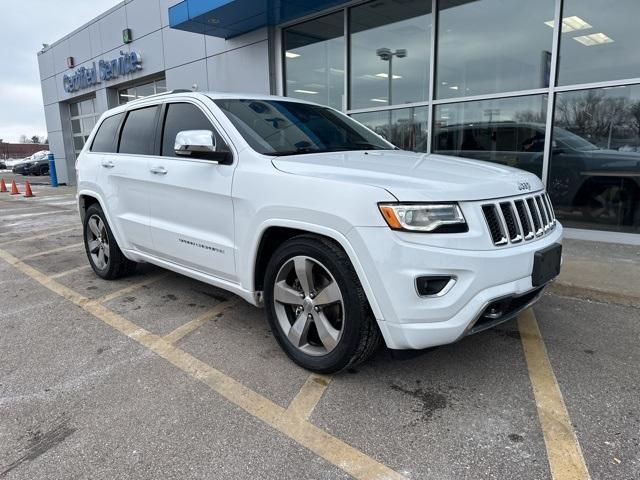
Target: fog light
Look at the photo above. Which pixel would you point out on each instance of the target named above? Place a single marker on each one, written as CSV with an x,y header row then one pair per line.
x,y
434,285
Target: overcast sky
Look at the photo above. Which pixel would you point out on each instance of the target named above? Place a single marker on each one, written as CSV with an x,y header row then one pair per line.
x,y
24,26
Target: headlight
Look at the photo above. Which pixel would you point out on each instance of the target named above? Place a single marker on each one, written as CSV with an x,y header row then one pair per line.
x,y
427,217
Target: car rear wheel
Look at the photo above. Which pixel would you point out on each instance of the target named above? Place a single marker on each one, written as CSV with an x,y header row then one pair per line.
x,y
105,257
316,306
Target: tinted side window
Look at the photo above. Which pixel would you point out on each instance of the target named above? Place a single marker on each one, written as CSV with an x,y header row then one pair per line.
x,y
105,139
185,116
138,133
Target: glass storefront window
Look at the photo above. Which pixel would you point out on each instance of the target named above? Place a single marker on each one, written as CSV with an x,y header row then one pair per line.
x,y
594,172
314,54
83,118
406,128
161,86
509,131
491,46
599,41
126,95
145,90
390,50
141,90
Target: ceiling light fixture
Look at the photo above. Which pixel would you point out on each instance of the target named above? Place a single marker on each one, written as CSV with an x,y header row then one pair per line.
x,y
291,55
593,39
308,92
570,24
379,100
386,75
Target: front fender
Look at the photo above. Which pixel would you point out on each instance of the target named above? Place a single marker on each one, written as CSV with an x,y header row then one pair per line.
x,y
248,266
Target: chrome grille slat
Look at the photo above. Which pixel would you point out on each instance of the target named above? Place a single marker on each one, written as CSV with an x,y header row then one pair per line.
x,y
525,219
495,225
543,213
548,202
521,219
508,217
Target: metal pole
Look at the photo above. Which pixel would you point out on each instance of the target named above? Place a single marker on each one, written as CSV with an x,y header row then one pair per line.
x,y
52,170
390,79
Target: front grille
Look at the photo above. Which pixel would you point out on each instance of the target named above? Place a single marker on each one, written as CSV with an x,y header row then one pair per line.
x,y
522,219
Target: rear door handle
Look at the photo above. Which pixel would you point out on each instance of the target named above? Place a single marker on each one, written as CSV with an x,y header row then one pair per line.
x,y
108,164
159,170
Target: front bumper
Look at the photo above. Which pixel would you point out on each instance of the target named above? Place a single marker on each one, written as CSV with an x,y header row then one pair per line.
x,y
391,264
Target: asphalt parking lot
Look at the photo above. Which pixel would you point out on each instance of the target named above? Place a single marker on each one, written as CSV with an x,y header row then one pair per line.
x,y
160,376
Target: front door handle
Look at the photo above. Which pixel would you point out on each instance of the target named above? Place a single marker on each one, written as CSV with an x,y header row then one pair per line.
x,y
108,164
159,170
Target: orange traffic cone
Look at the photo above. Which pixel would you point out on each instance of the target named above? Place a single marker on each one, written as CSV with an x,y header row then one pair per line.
x,y
3,186
27,190
14,188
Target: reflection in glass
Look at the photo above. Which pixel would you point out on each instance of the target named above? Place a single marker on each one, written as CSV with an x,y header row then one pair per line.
x,y
314,60
86,107
126,95
594,173
145,90
509,131
390,50
599,41
161,86
406,128
491,46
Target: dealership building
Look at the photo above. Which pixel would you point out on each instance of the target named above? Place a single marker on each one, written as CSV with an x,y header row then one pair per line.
x,y
549,86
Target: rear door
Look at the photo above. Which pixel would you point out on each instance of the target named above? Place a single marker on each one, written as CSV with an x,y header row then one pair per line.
x,y
191,211
125,177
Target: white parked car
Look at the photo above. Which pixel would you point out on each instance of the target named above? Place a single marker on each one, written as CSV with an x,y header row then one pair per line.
x,y
343,238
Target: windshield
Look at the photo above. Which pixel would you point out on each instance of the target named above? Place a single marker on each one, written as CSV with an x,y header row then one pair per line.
x,y
278,127
572,140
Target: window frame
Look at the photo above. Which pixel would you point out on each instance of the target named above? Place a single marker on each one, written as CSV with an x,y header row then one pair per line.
x,y
116,137
210,117
155,130
551,91
206,111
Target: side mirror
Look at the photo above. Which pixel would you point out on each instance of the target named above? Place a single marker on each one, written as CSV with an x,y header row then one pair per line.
x,y
200,144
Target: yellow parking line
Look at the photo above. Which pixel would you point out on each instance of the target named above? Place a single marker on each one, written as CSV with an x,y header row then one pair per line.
x,y
131,288
344,456
53,250
38,237
70,271
563,450
305,401
189,327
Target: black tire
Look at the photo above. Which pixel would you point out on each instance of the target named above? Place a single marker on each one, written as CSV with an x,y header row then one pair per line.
x,y
118,265
360,334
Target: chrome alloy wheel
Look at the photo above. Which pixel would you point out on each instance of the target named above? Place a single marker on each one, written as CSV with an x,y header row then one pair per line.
x,y
98,242
309,305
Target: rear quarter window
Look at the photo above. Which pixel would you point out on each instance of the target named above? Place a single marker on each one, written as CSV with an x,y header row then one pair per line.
x,y
105,140
138,132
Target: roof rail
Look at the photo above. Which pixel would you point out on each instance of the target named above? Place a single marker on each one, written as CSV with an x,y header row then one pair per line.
x,y
168,92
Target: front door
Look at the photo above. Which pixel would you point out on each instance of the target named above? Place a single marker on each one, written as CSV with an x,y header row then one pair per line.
x,y
191,211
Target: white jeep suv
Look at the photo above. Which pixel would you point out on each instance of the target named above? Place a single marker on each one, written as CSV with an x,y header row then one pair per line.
x,y
344,239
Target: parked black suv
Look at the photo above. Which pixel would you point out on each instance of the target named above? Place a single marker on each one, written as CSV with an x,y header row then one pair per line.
x,y
602,184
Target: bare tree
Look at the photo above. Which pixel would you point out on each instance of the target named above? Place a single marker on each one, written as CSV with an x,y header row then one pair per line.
x,y
634,111
35,139
23,139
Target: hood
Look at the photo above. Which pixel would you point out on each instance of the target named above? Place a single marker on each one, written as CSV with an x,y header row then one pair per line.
x,y
414,176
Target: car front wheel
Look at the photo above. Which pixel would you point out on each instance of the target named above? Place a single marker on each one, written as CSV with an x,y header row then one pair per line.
x,y
105,257
316,306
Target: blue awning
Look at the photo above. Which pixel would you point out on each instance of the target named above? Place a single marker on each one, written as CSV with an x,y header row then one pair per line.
x,y
230,18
